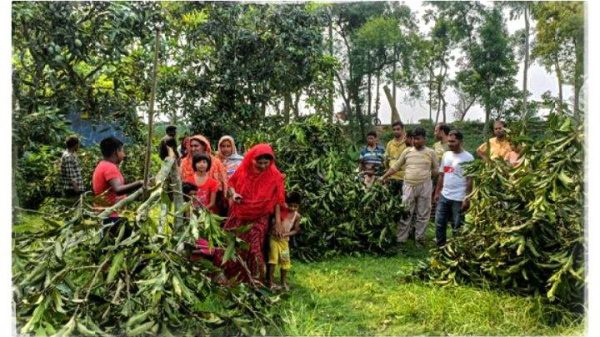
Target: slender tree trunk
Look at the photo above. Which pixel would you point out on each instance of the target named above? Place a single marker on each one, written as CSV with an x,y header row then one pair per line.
x,y
560,85
263,109
287,103
377,95
332,84
296,106
430,95
369,94
526,61
394,74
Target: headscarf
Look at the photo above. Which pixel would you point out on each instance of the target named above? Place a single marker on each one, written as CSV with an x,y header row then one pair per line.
x,y
217,169
233,161
260,191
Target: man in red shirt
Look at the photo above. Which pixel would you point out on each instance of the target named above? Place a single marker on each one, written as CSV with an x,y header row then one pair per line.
x,y
108,183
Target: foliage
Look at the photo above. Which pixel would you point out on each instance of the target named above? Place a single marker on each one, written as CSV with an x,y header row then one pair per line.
x,y
133,278
524,230
340,216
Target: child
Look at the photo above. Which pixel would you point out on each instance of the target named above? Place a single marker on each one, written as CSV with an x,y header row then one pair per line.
x,y
367,177
279,251
207,187
420,165
512,157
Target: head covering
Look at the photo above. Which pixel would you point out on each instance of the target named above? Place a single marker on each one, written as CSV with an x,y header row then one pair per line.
x,y
260,191
233,161
217,170
234,152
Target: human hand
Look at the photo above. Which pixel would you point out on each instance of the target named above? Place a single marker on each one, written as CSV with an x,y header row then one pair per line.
x,y
465,205
436,198
236,198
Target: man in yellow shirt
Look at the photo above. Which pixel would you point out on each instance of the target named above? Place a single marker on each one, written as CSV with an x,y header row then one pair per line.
x,y
393,150
499,145
441,134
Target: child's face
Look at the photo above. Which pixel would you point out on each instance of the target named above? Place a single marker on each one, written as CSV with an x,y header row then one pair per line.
x,y
121,154
201,166
293,207
418,141
371,140
226,148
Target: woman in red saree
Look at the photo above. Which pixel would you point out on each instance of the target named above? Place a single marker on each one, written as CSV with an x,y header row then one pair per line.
x,y
257,191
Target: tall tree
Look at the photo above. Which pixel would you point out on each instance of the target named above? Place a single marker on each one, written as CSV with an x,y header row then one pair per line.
x,y
560,44
491,73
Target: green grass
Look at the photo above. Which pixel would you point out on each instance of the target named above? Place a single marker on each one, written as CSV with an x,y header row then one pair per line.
x,y
367,296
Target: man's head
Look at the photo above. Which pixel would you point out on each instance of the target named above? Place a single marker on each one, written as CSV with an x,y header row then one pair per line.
x,y
397,129
441,131
201,163
419,137
165,144
197,147
455,140
171,130
372,138
293,200
72,143
112,148
499,131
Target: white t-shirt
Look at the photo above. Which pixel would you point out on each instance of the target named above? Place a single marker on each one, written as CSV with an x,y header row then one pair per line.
x,y
455,184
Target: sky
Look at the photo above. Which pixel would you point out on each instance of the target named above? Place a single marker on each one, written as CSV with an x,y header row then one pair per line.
x,y
412,110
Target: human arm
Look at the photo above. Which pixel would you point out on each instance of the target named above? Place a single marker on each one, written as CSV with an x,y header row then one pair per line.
x,y
466,201
396,167
277,229
213,200
295,228
434,165
121,189
481,151
438,188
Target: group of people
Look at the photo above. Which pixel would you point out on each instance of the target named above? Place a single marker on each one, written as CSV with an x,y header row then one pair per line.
x,y
429,178
248,189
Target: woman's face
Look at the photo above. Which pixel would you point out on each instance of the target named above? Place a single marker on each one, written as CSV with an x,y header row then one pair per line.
x,y
202,166
197,147
262,164
226,148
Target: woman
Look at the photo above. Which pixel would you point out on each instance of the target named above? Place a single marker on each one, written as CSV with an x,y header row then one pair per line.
x,y
198,144
227,153
257,191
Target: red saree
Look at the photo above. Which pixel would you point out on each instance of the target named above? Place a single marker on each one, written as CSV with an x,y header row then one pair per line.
x,y
261,192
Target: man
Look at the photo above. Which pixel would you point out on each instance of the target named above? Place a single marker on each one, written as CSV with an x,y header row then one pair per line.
x,y
452,188
441,135
372,153
108,183
70,171
393,150
420,166
499,145
169,139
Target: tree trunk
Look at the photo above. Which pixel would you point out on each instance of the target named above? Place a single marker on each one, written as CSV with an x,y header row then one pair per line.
x,y
394,74
377,95
369,97
526,62
560,85
263,109
287,103
332,84
388,95
430,95
296,107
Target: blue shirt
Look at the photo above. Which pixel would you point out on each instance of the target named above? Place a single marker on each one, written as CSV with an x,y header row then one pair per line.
x,y
372,156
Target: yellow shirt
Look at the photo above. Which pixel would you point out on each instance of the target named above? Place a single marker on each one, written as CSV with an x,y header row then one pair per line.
x,y
498,149
439,149
393,150
418,165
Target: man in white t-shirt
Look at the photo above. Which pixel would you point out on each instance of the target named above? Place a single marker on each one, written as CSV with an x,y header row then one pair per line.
x,y
452,188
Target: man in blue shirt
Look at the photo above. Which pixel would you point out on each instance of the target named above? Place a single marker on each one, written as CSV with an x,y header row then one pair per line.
x,y
373,154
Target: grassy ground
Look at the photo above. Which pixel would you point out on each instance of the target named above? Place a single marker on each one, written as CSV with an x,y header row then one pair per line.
x,y
367,296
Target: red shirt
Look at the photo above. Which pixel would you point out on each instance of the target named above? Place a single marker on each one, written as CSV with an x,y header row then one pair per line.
x,y
106,171
204,191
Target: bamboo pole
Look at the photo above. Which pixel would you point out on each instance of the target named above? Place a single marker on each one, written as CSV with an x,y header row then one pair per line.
x,y
151,110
